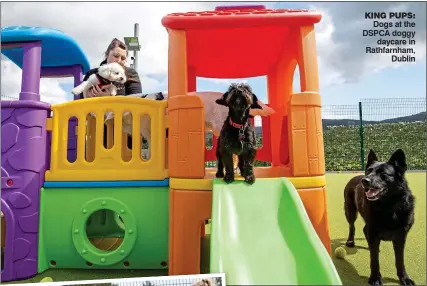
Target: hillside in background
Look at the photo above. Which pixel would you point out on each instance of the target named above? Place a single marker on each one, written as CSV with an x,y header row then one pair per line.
x,y
348,122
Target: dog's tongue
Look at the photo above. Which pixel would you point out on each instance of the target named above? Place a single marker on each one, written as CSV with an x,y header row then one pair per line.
x,y
371,193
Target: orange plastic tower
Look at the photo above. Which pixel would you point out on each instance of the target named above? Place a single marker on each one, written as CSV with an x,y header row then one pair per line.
x,y
242,43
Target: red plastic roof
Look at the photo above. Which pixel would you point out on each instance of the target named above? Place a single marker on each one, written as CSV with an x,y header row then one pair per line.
x,y
239,7
225,18
237,43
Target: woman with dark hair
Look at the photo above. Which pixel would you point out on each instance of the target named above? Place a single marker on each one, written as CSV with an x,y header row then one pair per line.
x,y
116,52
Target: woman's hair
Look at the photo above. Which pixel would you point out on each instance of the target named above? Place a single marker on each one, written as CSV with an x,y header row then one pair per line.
x,y
114,44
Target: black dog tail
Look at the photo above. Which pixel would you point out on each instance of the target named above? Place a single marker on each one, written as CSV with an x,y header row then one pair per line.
x,y
350,207
350,199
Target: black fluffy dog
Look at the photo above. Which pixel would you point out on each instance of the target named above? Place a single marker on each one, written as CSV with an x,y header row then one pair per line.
x,y
385,202
237,135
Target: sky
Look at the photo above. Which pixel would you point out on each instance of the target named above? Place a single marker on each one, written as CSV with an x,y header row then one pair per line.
x,y
346,73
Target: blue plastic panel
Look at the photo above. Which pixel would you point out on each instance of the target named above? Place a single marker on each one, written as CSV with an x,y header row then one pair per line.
x,y
58,49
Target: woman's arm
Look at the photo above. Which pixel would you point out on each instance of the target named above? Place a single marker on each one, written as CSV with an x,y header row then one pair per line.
x,y
133,84
86,77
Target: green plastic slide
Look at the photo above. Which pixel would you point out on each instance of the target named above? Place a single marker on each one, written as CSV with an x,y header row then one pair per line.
x,y
262,235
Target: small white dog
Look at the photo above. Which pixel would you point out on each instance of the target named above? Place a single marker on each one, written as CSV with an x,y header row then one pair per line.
x,y
105,75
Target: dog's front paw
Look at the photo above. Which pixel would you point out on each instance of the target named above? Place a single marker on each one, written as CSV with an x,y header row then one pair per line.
x,y
375,280
242,172
76,91
250,179
219,174
406,281
229,178
350,243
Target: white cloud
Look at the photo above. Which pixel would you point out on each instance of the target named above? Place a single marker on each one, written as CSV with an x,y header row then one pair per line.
x,y
220,81
340,45
223,83
149,84
93,26
50,90
324,43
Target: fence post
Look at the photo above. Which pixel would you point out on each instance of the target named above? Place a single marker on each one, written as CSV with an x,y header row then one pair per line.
x,y
361,135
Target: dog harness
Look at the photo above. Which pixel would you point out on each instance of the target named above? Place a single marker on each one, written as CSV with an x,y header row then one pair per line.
x,y
102,81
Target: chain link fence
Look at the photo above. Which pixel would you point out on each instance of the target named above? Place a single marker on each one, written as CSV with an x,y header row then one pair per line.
x,y
7,97
341,137
383,125
350,131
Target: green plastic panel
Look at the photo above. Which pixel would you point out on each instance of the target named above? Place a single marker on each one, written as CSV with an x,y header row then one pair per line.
x,y
138,217
262,235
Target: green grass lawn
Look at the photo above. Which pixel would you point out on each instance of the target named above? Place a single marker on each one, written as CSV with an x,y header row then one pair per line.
x,y
353,270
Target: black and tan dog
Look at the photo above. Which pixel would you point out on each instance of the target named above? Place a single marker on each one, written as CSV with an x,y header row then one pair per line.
x,y
237,135
386,204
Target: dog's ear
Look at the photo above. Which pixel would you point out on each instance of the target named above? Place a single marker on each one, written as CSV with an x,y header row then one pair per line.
x,y
398,160
109,71
222,100
372,157
255,104
104,71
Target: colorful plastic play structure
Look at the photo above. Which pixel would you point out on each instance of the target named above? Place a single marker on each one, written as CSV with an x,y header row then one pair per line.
x,y
70,201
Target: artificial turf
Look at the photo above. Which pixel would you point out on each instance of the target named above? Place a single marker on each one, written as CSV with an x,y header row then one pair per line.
x,y
353,270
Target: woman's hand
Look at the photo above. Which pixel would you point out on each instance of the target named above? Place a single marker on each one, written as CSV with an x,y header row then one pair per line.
x,y
96,91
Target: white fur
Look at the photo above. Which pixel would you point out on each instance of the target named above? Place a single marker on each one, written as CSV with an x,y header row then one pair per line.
x,y
113,72
215,114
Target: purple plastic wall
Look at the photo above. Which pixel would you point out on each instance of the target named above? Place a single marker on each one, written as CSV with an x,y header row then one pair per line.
x,y
23,165
25,149
76,72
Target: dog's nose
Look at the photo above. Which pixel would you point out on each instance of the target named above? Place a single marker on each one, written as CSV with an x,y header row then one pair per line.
x,y
366,182
121,78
